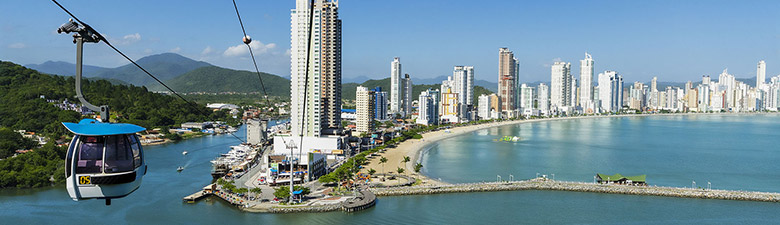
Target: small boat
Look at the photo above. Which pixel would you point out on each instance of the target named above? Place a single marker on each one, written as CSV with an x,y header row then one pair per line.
x,y
184,153
179,169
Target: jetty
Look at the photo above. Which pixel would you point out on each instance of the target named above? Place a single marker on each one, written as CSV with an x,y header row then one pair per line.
x,y
546,184
205,192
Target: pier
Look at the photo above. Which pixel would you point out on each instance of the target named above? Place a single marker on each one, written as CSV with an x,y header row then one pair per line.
x,y
540,184
205,192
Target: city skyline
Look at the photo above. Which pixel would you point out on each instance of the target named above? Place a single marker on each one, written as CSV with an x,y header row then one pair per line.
x,y
687,38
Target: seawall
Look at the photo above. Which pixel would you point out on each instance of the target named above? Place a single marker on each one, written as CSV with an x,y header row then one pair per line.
x,y
581,187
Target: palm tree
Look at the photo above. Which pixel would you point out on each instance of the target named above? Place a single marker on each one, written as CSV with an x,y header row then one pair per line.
x,y
417,167
382,161
405,160
400,171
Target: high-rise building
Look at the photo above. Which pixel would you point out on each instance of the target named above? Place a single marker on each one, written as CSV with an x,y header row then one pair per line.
x,y
506,81
607,87
364,110
380,104
483,110
450,106
617,93
760,74
428,107
586,83
396,87
561,85
319,95
526,97
543,99
463,78
407,95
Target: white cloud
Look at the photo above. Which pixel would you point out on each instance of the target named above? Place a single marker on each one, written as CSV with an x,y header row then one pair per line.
x,y
176,50
240,50
127,39
207,50
17,45
288,52
132,37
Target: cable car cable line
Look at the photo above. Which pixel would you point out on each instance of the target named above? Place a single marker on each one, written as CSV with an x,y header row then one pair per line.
x,y
100,37
247,41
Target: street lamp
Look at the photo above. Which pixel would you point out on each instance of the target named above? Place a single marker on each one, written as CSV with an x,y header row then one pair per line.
x,y
553,176
709,186
498,178
511,178
693,184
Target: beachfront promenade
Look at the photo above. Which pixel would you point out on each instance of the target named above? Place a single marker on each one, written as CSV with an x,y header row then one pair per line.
x,y
550,185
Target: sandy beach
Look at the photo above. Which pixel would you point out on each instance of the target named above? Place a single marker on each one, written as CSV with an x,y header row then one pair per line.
x,y
413,147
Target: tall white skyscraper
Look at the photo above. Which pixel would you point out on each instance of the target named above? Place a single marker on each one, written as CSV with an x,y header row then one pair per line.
x,y
463,78
407,95
560,85
543,99
322,100
396,86
586,82
428,107
526,97
760,74
606,90
484,107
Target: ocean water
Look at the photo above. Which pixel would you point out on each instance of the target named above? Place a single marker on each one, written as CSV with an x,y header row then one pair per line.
x,y
732,152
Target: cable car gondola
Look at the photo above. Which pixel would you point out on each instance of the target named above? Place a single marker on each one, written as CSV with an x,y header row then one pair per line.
x,y
104,160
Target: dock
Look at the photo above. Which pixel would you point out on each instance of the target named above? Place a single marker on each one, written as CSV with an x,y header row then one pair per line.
x,y
205,192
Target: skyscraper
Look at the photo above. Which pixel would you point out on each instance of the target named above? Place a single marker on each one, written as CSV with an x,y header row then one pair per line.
x,y
586,82
506,81
484,107
396,86
463,78
364,110
543,100
407,95
560,85
608,86
319,95
380,104
760,74
429,109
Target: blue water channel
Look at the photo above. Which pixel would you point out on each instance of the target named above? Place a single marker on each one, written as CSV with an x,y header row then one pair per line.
x,y
732,152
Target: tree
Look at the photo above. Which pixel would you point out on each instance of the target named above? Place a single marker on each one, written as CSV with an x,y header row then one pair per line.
x,y
382,161
417,167
282,193
400,171
405,160
371,172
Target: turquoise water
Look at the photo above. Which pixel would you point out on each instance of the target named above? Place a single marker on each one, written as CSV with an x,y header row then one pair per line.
x,y
744,147
730,151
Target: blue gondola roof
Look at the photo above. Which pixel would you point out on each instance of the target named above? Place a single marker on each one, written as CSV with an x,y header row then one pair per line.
x,y
91,127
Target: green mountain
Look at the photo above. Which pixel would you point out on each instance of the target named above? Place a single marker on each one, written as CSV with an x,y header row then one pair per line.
x,y
164,66
213,79
348,89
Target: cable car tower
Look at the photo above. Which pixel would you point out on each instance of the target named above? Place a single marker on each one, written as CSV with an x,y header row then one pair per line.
x,y
104,160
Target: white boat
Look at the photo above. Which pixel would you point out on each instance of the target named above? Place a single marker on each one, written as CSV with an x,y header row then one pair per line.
x,y
184,153
179,169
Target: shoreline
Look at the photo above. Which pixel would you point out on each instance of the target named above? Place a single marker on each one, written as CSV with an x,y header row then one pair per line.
x,y
414,148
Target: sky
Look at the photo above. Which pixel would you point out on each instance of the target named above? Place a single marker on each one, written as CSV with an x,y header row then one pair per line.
x,y
673,40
